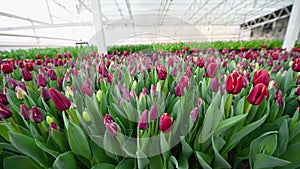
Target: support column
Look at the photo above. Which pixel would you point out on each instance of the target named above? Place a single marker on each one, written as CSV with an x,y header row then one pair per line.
x,y
293,27
97,16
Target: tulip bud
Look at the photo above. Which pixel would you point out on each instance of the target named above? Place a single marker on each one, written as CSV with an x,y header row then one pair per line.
x,y
20,93
199,101
67,77
297,92
153,112
54,126
126,94
102,70
145,91
6,68
183,83
143,123
153,90
108,118
110,78
29,66
86,90
4,112
52,74
194,114
99,95
214,85
111,128
26,75
60,101
258,93
234,83
212,70
165,123
278,97
261,76
296,65
161,72
60,82
3,99
45,94
132,94
41,81
174,72
188,72
36,116
86,117
25,111
49,120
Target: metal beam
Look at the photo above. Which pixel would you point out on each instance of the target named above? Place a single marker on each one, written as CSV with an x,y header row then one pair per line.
x,y
34,36
47,26
21,18
216,7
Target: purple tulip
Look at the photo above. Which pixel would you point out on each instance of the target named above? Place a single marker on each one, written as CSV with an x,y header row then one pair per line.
x,y
52,74
4,112
143,123
60,101
54,126
26,75
41,81
161,72
3,99
214,84
153,112
86,90
189,72
36,116
108,118
195,114
111,128
25,111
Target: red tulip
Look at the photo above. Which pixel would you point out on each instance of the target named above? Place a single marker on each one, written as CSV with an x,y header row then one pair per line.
x,y
258,93
29,66
234,83
261,76
143,123
25,111
4,112
108,119
60,101
189,71
275,56
36,116
102,70
165,123
183,83
3,99
296,65
41,81
212,70
26,75
161,72
6,68
52,74
110,78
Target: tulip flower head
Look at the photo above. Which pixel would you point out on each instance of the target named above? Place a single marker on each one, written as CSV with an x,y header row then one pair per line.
x,y
54,126
183,83
258,93
234,83
25,111
161,72
211,70
165,123
143,123
153,112
52,74
111,128
261,76
108,118
214,84
296,65
36,116
4,112
26,75
195,114
41,81
60,101
6,68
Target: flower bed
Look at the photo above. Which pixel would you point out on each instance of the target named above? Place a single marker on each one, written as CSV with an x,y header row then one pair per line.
x,y
205,109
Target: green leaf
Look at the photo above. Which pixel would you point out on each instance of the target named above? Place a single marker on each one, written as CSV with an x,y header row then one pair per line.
x,y
47,149
226,124
211,122
78,141
283,137
65,160
155,162
4,131
267,161
174,161
201,158
19,162
142,160
104,166
239,109
27,146
126,164
219,162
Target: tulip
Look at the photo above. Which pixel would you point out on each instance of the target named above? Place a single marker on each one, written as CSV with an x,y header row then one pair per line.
x,y
188,72
161,72
26,75
278,97
29,66
199,101
275,56
52,74
41,81
297,92
20,93
261,76
183,83
45,94
143,123
36,116
258,93
4,112
86,90
3,99
99,95
60,82
174,72
153,112
153,90
170,61
234,83
126,94
12,83
54,126
67,77
102,70
132,94
296,65
214,85
110,78
61,102
165,123
195,114
108,118
25,111
111,128
145,91
200,62
212,70
6,68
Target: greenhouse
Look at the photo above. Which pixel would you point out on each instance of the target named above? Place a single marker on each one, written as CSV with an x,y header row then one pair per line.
x,y
171,84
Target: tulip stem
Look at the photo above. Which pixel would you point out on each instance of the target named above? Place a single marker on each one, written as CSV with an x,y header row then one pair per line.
x,y
248,108
13,123
73,118
229,105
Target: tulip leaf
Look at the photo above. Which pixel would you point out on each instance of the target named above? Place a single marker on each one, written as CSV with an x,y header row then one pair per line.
x,y
19,162
236,137
4,131
266,161
226,124
126,164
203,160
283,136
173,160
142,160
13,101
27,146
47,149
104,165
65,160
291,155
219,162
155,162
78,141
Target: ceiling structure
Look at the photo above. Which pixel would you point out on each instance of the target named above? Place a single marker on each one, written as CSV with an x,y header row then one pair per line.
x,y
63,22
